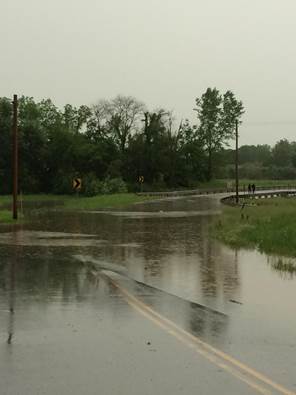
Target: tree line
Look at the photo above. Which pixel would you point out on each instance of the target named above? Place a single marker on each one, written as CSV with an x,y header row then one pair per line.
x,y
114,142
261,161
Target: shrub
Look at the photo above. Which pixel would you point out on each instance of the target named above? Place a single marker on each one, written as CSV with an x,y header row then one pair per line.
x,y
90,185
62,184
113,185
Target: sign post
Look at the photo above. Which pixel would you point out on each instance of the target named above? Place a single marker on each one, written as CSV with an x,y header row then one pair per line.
x,y
141,181
15,157
236,162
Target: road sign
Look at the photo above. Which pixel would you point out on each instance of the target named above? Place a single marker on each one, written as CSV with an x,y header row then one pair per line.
x,y
77,184
141,179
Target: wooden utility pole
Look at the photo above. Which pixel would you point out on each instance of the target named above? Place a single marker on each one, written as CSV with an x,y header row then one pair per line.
x,y
15,157
236,162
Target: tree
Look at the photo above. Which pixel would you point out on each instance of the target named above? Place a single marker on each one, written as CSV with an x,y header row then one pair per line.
x,y
117,138
5,144
74,118
125,112
191,155
255,153
84,113
217,115
153,152
232,111
293,153
153,137
117,118
32,146
50,116
282,153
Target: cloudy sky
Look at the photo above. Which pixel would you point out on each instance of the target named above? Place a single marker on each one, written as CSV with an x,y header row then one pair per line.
x,y
164,52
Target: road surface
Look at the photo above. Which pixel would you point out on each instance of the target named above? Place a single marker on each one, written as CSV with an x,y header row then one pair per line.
x,y
141,303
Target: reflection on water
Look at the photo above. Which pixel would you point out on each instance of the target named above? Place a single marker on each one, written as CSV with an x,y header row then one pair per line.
x,y
173,253
11,300
33,238
206,323
40,281
286,267
157,214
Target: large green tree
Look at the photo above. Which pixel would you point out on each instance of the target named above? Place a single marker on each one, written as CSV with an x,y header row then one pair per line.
x,y
217,114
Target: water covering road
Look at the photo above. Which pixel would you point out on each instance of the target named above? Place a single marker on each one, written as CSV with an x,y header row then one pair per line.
x,y
113,302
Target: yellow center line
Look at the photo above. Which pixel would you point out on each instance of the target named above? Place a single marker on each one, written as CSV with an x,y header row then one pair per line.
x,y
205,354
211,353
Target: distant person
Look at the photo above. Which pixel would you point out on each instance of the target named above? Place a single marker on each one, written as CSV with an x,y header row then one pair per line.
x,y
249,188
253,188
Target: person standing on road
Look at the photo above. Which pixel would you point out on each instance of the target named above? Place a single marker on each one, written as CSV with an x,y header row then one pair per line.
x,y
249,188
253,188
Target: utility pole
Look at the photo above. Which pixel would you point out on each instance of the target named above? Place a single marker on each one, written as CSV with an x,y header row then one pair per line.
x,y
236,162
15,156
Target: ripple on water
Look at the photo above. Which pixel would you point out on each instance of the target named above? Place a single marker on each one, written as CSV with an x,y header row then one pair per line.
x,y
39,238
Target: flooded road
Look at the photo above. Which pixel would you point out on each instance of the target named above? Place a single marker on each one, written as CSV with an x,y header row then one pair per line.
x,y
106,302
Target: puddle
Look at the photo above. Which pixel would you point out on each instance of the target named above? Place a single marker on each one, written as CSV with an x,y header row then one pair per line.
x,y
286,267
40,238
100,264
164,245
159,214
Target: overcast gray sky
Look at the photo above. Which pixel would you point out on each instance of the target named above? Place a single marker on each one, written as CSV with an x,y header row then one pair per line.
x,y
164,52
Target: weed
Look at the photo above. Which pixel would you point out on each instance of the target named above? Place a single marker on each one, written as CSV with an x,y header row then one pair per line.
x,y
270,226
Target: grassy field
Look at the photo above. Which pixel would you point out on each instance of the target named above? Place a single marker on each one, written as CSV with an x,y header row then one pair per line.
x,y
117,200
268,225
6,217
7,199
73,202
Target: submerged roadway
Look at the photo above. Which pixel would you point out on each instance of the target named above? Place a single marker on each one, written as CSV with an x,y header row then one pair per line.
x,y
141,302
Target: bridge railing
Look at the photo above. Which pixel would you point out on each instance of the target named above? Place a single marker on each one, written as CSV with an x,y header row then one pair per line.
x,y
264,194
203,191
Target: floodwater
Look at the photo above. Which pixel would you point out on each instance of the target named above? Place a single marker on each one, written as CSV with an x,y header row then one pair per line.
x,y
65,329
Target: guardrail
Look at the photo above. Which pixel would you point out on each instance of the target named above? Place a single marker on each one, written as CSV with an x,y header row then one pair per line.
x,y
266,194
201,191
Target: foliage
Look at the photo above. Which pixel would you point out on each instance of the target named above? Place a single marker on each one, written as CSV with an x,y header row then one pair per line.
x,y
119,200
5,143
255,154
112,185
116,119
217,115
282,153
259,162
90,185
62,184
120,139
268,225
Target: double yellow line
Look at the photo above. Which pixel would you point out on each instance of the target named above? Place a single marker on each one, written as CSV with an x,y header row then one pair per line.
x,y
246,374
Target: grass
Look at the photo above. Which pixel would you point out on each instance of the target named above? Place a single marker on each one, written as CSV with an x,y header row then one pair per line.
x,y
80,202
7,199
268,225
71,202
117,200
6,217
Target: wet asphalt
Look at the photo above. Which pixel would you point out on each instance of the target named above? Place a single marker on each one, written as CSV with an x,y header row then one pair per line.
x,y
141,301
